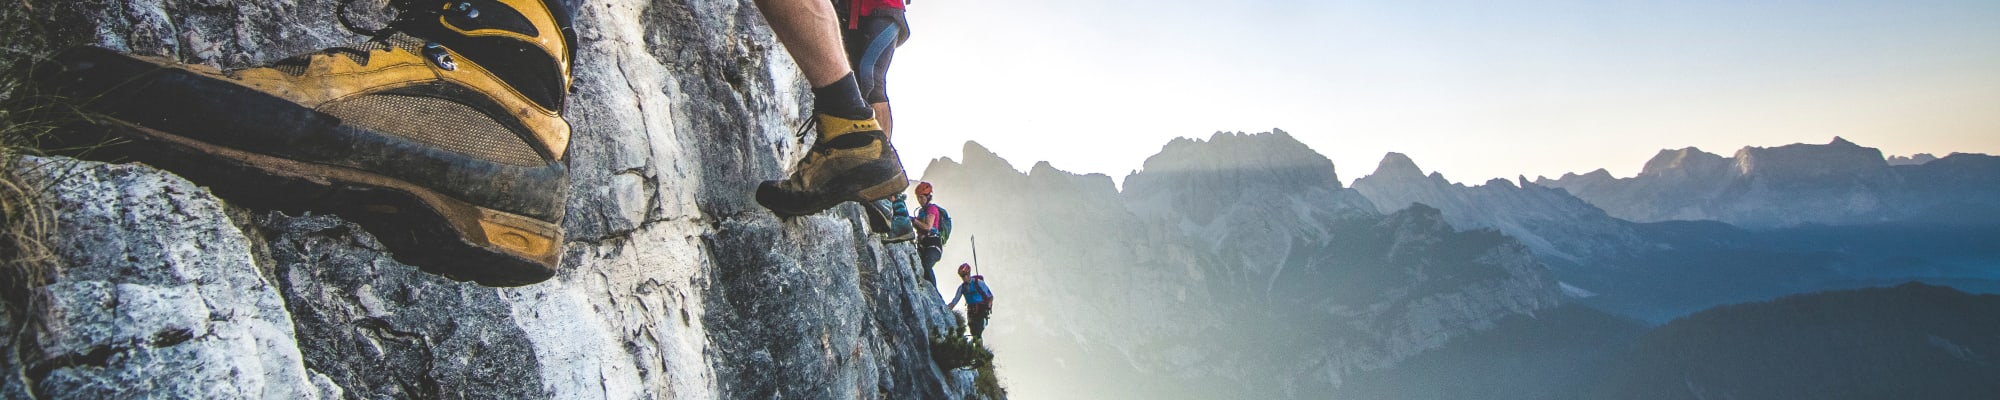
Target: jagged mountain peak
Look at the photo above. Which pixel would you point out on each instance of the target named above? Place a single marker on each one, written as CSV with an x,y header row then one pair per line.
x,y
1683,159
1840,157
1596,175
1044,174
1234,161
1044,167
1839,182
980,165
978,157
1397,165
1510,206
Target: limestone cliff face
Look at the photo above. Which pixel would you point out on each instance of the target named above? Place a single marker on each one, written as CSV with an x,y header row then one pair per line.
x,y
676,284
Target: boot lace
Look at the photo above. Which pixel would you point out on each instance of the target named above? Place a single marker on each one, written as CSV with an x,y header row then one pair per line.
x,y
809,127
408,13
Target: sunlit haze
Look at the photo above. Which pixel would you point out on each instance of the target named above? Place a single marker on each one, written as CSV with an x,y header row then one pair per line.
x,y
1472,89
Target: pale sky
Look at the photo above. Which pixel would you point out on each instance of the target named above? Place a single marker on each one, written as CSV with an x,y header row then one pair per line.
x,y
1472,89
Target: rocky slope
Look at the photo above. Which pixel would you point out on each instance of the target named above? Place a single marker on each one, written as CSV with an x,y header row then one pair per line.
x,y
1838,183
1232,267
677,285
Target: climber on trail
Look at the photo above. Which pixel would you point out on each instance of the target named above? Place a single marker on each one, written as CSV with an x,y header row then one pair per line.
x,y
900,227
443,134
872,30
933,226
978,299
851,159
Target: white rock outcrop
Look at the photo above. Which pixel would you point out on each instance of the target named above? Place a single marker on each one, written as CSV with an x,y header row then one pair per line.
x,y
676,284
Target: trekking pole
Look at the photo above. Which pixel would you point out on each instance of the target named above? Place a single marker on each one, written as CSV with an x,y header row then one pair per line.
x,y
975,255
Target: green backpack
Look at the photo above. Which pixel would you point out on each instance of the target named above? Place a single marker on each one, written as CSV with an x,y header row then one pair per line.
x,y
944,224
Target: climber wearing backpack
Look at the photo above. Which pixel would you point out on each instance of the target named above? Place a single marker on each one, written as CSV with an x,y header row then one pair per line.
x,y
978,299
933,225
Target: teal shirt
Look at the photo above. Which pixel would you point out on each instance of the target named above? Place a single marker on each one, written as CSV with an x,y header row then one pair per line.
x,y
974,291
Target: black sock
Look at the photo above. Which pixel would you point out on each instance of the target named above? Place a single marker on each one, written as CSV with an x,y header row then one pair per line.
x,y
842,98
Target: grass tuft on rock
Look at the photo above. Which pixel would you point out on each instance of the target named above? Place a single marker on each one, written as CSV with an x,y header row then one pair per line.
x,y
27,117
956,350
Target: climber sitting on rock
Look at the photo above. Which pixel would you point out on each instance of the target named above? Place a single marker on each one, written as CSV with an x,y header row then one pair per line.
x,y
978,299
443,134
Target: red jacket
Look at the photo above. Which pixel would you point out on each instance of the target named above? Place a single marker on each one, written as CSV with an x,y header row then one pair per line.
x,y
863,8
867,7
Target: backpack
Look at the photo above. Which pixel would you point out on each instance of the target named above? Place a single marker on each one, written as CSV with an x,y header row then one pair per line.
x,y
944,225
978,284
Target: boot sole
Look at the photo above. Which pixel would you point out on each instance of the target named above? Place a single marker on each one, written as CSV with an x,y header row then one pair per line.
x,y
885,189
420,227
874,192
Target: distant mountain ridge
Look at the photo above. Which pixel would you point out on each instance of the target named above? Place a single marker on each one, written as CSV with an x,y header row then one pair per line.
x,y
1238,266
1552,222
1838,183
1660,270
1235,266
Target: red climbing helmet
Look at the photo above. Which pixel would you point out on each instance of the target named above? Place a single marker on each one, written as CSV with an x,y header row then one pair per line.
x,y
964,269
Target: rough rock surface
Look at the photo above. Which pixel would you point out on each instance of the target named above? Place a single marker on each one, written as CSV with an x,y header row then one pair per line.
x,y
676,284
158,291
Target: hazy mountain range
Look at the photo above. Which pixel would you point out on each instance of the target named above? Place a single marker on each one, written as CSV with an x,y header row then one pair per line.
x,y
1218,275
1240,266
1838,183
1922,222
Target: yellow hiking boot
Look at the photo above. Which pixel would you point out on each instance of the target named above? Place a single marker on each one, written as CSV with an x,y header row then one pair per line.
x,y
443,136
851,161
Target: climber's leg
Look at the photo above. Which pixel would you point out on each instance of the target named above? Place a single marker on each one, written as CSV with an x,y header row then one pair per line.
x,y
851,160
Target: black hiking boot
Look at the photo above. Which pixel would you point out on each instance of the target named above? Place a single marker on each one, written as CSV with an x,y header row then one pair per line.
x,y
851,161
443,136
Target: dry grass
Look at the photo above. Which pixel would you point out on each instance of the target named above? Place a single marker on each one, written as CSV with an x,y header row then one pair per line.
x,y
25,224
988,383
956,350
